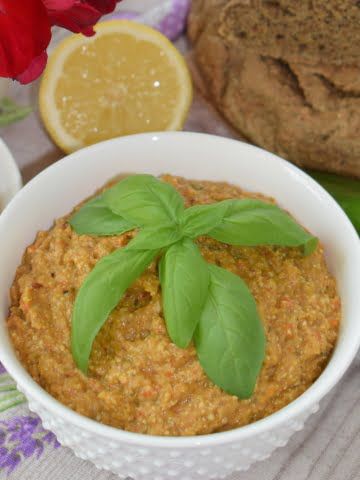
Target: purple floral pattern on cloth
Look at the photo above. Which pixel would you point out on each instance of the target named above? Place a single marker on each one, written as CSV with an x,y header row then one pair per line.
x,y
173,24
125,15
169,18
22,437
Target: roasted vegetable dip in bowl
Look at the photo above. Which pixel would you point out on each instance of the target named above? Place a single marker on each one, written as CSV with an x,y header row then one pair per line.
x,y
179,423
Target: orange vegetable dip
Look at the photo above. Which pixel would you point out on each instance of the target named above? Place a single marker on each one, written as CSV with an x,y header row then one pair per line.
x,y
138,380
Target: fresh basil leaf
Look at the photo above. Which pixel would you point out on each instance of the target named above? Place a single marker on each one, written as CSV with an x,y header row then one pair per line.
x,y
230,339
150,238
145,200
346,192
253,222
310,246
100,293
96,218
184,280
10,112
200,219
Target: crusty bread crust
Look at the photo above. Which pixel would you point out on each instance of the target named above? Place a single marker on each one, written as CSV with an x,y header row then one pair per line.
x,y
303,106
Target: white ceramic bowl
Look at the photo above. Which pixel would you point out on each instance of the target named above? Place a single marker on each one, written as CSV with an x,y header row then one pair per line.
x,y
56,190
10,179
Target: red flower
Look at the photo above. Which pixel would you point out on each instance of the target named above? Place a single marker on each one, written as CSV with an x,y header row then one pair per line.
x,y
25,30
24,36
78,15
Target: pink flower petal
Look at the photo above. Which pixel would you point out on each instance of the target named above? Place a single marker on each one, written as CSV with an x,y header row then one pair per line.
x,y
34,70
58,4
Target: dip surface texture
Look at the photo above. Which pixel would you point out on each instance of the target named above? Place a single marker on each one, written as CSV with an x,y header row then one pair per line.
x,y
140,381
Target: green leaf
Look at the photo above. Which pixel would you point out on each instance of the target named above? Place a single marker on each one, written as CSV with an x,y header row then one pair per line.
x,y
145,200
100,293
10,112
230,339
96,218
346,192
253,222
200,219
184,279
160,236
11,400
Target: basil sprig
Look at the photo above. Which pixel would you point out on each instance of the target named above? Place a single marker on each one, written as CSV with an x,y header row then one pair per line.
x,y
10,112
201,302
96,218
183,292
144,200
100,293
229,338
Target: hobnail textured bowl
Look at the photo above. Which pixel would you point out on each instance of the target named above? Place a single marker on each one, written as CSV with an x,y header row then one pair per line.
x,y
56,190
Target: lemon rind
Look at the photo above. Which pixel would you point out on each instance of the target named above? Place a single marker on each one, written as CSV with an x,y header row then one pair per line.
x,y
51,116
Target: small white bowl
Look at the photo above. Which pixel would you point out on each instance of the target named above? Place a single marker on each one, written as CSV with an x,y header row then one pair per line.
x,y
10,178
56,190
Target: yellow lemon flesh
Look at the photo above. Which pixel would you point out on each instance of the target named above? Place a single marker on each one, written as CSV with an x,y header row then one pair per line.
x,y
126,79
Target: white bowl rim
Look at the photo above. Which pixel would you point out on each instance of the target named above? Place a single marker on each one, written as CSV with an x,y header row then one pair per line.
x,y
308,399
13,176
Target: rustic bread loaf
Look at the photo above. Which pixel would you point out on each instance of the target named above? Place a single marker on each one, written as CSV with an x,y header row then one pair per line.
x,y
298,102
297,30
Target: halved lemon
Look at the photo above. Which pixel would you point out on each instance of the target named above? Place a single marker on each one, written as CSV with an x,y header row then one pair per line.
x,y
126,79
